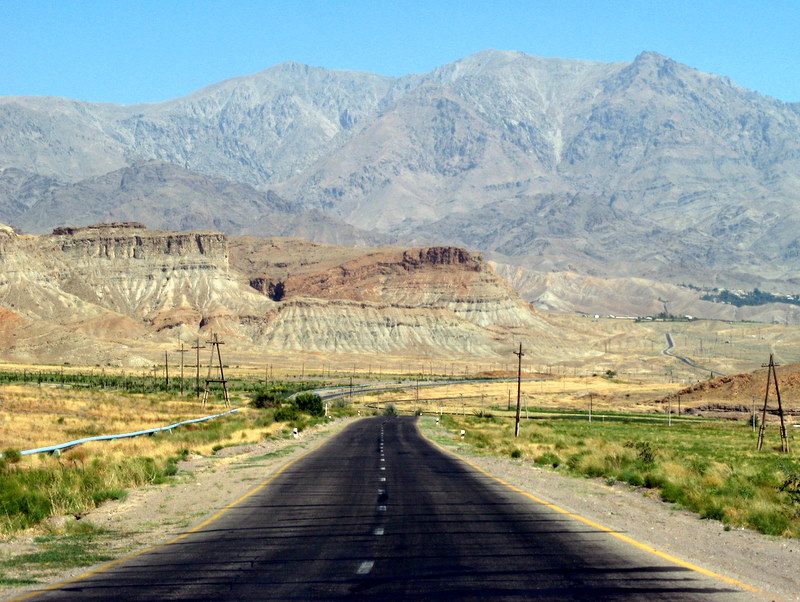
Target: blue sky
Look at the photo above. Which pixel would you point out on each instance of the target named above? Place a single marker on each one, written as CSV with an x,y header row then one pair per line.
x,y
147,51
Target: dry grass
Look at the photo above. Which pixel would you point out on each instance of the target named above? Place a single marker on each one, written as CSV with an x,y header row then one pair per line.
x,y
541,392
32,416
708,466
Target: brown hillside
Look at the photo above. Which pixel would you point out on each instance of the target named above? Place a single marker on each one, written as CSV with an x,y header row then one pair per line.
x,y
740,392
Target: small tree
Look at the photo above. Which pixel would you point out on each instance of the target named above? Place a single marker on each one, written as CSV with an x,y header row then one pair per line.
x,y
310,403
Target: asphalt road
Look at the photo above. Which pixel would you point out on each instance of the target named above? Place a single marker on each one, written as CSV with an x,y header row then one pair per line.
x,y
686,360
380,513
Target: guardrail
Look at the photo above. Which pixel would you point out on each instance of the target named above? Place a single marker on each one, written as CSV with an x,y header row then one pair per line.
x,y
57,449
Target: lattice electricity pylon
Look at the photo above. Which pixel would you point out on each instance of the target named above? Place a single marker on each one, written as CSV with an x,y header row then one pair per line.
x,y
215,343
771,373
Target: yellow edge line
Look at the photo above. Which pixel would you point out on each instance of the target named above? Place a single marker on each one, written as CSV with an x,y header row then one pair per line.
x,y
183,535
598,526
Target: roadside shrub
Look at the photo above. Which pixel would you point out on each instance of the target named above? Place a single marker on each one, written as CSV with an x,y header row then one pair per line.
x,y
11,455
791,482
267,398
310,403
286,413
389,410
516,453
653,481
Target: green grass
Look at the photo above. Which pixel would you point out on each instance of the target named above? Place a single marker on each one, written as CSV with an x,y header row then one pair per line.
x,y
710,467
78,548
28,495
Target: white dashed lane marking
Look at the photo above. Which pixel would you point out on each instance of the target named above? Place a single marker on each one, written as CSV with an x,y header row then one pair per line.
x,y
365,567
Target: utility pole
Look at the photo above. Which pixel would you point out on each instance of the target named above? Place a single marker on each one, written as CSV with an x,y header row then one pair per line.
x,y
519,355
771,373
197,348
215,344
182,351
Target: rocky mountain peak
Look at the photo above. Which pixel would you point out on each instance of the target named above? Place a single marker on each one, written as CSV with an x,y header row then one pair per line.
x,y
648,168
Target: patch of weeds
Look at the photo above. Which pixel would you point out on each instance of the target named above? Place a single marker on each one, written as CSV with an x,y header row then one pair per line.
x,y
791,482
713,511
69,551
653,481
631,478
12,582
516,453
769,522
574,460
548,458
98,497
283,451
645,453
480,440
671,493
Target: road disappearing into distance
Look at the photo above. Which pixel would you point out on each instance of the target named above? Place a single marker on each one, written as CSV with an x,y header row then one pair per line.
x,y
378,512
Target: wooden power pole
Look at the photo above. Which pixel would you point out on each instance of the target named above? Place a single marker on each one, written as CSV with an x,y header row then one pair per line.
x,y
519,355
771,373
197,347
182,351
215,345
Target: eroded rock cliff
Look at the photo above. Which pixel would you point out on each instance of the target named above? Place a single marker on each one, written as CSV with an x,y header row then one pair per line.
x,y
125,288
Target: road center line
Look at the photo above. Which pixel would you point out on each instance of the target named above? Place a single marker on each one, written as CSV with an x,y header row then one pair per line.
x,y
365,567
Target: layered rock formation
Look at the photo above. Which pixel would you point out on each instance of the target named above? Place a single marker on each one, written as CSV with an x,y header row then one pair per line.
x,y
124,290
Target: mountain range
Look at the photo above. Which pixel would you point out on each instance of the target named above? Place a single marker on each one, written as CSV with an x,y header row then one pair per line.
x,y
641,170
